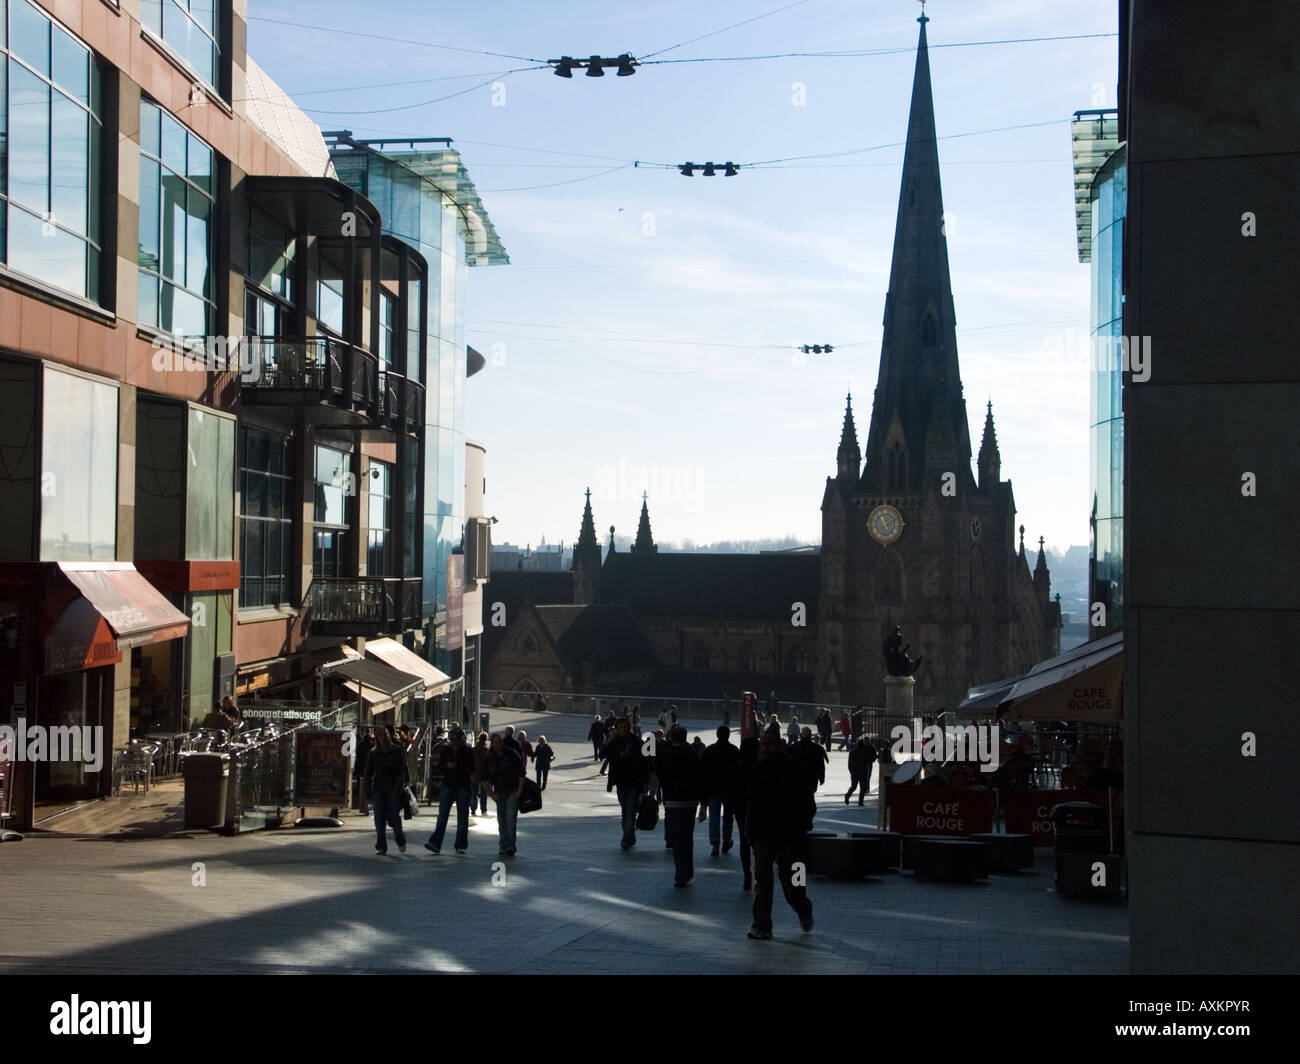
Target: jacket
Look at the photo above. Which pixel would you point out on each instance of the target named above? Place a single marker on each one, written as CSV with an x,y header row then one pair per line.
x,y
780,807
480,755
721,762
813,759
456,767
503,771
681,777
861,758
386,769
596,733
627,768
543,755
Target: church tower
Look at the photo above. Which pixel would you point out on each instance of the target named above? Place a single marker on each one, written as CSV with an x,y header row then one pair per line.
x,y
586,560
912,538
645,543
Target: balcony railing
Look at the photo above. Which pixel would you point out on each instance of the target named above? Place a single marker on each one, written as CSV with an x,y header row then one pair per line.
x,y
402,404
364,605
318,370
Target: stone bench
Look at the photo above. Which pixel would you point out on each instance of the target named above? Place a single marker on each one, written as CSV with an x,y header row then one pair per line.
x,y
846,856
1008,853
886,848
952,860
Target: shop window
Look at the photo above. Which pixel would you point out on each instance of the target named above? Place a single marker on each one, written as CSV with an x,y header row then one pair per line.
x,y
51,134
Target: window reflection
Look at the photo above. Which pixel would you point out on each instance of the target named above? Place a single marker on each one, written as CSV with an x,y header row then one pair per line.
x,y
78,469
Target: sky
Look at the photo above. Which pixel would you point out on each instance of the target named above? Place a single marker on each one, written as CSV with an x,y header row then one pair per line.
x,y
643,336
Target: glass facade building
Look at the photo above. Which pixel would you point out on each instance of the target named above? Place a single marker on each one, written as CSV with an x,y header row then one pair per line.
x,y
427,200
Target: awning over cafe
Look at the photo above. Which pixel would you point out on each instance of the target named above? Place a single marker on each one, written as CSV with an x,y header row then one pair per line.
x,y
393,654
1083,685
375,683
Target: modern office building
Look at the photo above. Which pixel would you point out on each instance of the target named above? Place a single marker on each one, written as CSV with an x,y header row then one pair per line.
x,y
220,376
1100,199
428,201
1211,464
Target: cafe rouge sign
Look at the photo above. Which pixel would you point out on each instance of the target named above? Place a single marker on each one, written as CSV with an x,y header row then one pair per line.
x,y
916,809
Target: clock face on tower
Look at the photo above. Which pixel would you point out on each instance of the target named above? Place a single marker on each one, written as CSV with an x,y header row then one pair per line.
x,y
885,524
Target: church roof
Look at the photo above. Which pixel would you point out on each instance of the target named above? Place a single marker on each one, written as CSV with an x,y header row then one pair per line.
x,y
607,635
513,589
919,378
694,683
758,586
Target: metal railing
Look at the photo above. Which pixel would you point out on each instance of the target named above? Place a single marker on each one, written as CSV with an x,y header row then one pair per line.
x,y
339,372
266,765
385,603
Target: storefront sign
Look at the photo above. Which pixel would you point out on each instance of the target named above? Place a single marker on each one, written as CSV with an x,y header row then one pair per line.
x,y
322,768
1030,812
918,809
191,575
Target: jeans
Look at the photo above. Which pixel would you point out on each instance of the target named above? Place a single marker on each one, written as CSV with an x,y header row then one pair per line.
x,y
719,810
595,749
388,810
542,772
629,798
478,799
680,827
461,796
784,855
507,819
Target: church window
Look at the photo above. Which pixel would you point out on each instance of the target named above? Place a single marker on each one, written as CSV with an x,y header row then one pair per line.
x,y
700,658
527,644
896,468
929,330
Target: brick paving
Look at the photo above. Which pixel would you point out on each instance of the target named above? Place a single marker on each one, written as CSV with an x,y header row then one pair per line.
x,y
572,901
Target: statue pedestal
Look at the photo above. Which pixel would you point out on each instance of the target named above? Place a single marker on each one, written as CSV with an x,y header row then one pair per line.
x,y
898,695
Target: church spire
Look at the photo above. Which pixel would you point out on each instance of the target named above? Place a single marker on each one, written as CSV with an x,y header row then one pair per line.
x,y
586,560
645,543
610,553
990,459
1042,579
919,381
848,459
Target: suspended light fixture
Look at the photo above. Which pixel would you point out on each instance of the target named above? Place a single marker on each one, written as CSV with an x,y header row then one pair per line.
x,y
626,65
563,67
595,67
687,169
709,171
730,170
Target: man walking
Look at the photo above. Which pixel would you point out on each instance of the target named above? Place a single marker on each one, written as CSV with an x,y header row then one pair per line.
x,y
627,775
812,759
596,736
861,758
386,775
721,762
779,815
824,727
681,775
503,772
740,803
456,769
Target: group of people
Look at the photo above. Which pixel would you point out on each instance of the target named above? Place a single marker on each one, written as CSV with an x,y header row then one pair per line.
x,y
225,716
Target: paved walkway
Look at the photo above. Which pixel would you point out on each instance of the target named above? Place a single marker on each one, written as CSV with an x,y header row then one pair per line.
x,y
571,901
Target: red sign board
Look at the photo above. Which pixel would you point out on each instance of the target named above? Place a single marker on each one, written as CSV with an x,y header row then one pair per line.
x,y
455,601
748,707
1030,812
918,809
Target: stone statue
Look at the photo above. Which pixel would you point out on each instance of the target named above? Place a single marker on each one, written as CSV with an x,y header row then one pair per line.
x,y
897,660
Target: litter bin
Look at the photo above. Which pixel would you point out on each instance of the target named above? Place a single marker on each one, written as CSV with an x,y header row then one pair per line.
x,y
485,722
205,790
1082,842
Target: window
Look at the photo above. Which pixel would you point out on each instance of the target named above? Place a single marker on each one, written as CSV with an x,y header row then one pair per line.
x,y
270,256
334,483
210,493
19,477
265,524
379,547
385,353
329,290
190,29
50,153
78,469
929,331
177,219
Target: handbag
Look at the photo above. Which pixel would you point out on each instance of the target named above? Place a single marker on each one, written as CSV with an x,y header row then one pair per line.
x,y
410,807
647,814
531,799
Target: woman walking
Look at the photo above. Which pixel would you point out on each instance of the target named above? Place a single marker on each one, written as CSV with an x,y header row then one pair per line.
x,y
503,772
478,791
543,755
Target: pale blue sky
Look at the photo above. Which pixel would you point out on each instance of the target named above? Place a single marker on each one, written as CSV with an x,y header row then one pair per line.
x,y
622,359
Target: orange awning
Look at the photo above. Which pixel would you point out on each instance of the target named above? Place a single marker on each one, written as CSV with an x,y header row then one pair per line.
x,y
133,609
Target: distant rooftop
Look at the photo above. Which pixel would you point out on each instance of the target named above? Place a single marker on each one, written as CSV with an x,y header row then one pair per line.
x,y
1095,135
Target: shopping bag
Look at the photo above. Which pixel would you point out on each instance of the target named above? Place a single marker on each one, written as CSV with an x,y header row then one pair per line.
x,y
647,814
531,799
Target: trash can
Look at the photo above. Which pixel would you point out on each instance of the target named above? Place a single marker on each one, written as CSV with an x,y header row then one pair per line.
x,y
1082,844
205,790
485,722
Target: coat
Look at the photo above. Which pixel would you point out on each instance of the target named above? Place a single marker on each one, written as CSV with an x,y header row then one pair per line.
x,y
779,807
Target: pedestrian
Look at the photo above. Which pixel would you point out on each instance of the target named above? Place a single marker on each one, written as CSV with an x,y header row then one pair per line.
x,y
511,741
861,758
681,775
540,704
698,747
386,775
846,729
503,770
824,727
498,702
596,736
478,798
609,724
859,715
726,709
364,745
740,803
543,755
792,731
628,776
812,759
672,716
525,747
434,785
636,721
663,721
721,763
456,773
780,812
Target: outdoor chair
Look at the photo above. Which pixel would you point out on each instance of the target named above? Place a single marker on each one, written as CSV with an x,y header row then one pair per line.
x,y
137,764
